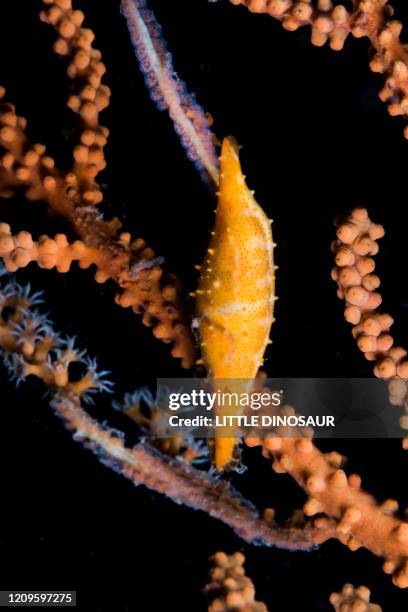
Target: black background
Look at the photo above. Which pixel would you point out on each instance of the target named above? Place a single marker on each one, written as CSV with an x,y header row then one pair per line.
x,y
316,142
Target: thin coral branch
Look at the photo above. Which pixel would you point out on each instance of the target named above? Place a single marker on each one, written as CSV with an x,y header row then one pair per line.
x,y
90,95
229,587
19,250
143,285
168,91
354,248
370,18
354,273
31,347
179,481
352,599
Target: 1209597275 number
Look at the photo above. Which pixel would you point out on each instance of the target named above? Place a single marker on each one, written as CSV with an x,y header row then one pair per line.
x,y
37,598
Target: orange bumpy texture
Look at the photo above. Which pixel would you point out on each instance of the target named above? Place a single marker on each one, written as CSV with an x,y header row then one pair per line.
x,y
352,599
370,18
91,96
361,520
229,588
354,248
74,195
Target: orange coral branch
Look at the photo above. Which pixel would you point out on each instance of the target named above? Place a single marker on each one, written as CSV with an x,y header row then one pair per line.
x,y
28,339
354,274
352,599
91,97
229,587
370,18
361,520
19,250
179,481
144,286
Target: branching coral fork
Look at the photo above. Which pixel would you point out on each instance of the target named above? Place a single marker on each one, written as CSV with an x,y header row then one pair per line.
x,y
354,248
361,520
370,18
89,98
144,286
31,347
184,484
